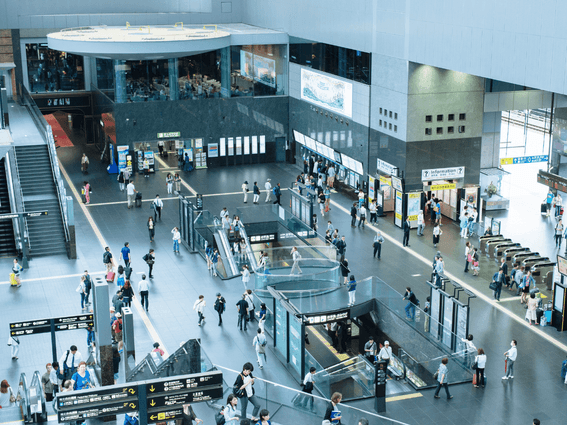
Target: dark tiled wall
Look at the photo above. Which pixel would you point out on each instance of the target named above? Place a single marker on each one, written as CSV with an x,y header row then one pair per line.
x,y
210,119
388,149
304,119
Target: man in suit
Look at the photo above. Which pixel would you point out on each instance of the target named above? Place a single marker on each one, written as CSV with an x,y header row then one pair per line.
x,y
407,228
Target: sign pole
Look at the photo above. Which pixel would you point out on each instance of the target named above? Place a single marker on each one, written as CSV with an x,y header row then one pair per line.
x,y
142,405
53,341
24,241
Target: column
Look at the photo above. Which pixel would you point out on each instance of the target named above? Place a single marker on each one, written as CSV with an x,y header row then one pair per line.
x,y
490,145
225,72
128,361
343,66
101,307
173,67
120,86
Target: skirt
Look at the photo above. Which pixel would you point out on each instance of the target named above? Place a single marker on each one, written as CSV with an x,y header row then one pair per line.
x,y
531,315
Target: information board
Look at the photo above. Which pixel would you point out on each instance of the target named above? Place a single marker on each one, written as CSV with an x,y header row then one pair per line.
x,y
44,325
462,326
435,312
281,329
295,344
414,204
327,318
448,310
398,209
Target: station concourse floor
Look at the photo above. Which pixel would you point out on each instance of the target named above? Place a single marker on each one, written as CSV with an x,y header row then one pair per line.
x,y
49,284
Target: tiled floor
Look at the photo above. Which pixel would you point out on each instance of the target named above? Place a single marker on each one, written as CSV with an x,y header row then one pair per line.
x,y
536,390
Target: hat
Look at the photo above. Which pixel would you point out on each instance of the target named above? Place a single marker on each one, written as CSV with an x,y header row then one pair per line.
x,y
118,315
386,342
269,180
245,182
112,309
218,294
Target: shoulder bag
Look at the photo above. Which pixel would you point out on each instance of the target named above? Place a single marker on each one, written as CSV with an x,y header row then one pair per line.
x,y
236,390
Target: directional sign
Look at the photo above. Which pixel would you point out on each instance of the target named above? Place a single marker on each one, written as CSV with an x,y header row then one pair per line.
x,y
168,415
90,411
191,383
447,186
443,173
44,325
185,397
25,214
77,399
326,318
524,159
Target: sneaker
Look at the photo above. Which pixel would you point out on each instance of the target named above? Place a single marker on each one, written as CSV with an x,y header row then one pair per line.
x,y
511,377
504,377
436,396
450,397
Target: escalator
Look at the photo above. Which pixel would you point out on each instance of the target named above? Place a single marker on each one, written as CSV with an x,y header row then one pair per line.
x,y
32,405
249,253
7,242
223,245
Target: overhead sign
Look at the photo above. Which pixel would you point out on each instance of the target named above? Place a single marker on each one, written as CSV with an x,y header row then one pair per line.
x,y
524,159
169,135
443,173
185,397
168,415
447,186
386,168
24,214
552,180
326,318
44,325
189,382
386,180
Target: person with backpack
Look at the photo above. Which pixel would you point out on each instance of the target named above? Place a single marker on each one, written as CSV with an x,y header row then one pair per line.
x,y
277,194
351,290
150,259
117,327
17,269
107,259
70,361
88,286
259,343
220,306
412,303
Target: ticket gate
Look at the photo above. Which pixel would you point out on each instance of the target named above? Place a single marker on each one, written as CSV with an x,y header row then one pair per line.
x,y
529,262
492,243
518,258
510,252
500,248
485,239
540,271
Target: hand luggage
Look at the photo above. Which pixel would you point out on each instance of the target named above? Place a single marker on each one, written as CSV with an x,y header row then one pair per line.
x,y
128,272
544,208
13,281
110,277
138,200
474,379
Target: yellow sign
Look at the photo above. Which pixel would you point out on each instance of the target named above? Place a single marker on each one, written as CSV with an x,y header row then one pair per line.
x,y
414,195
443,186
399,216
506,161
385,180
412,217
152,389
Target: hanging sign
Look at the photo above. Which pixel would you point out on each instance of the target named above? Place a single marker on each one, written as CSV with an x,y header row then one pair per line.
x,y
443,173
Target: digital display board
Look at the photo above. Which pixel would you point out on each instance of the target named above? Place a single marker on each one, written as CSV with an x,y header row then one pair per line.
x,y
299,138
562,265
327,92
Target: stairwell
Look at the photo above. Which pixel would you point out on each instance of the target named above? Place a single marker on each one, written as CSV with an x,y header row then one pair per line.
x,y
46,233
7,243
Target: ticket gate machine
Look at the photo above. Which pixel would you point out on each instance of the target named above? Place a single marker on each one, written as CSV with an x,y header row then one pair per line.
x,y
518,258
492,243
485,239
500,248
540,273
529,262
510,252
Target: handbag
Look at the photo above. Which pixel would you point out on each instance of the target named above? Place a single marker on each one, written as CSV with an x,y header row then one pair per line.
x,y
236,390
474,366
493,286
475,264
436,375
308,387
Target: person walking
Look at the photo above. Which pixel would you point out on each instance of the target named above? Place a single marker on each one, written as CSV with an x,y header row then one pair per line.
x,y
438,269
46,383
362,215
277,194
259,343
341,248
256,193
464,225
107,259
370,349
17,270
85,164
345,270
125,254
176,238
377,244
242,307
475,262
412,302
559,228
296,257
442,375
146,167
215,261
81,379
177,181
549,201
150,259
558,202
127,294
199,307
144,291
151,228
373,210
531,312
268,187
497,282
353,215
251,307
87,190
14,344
169,183
480,361
262,314
351,286
407,228
436,233
511,355
468,256
229,412
245,381
308,386
120,180
245,190
82,290
527,282
220,306
420,223
131,193
245,275
332,413
331,172
70,360
157,205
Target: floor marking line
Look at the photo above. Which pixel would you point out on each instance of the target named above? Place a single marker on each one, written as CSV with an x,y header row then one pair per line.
x,y
465,285
332,349
136,303
53,277
403,397
183,182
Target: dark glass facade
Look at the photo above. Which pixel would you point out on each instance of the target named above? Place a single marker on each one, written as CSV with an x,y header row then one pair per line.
x,y
51,70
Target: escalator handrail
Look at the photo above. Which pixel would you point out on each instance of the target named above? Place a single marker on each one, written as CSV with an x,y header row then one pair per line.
x,y
23,393
249,252
228,252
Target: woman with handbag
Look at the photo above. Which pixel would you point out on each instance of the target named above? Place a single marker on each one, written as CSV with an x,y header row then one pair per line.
x,y
475,262
244,389
480,362
81,379
151,228
7,397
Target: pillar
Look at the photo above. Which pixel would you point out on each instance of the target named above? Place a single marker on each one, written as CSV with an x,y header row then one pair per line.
x,y
128,361
193,348
173,68
490,145
225,72
343,67
103,339
120,77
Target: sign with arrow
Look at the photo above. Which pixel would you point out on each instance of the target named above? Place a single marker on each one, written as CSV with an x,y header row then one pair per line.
x,y
185,397
44,325
192,382
167,415
76,399
443,173
91,412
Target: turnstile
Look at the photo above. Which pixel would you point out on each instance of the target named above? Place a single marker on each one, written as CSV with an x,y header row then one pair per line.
x,y
500,248
510,252
485,239
540,271
492,243
529,262
518,258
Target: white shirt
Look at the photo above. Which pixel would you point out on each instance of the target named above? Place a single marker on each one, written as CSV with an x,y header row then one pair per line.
x,y
199,306
513,353
259,339
130,188
70,362
385,353
372,209
268,186
308,378
470,346
420,219
158,202
249,392
176,235
223,213
362,210
481,360
143,285
331,171
296,255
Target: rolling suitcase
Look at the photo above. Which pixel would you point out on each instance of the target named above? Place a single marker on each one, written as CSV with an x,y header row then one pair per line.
x,y
13,281
544,208
110,277
138,200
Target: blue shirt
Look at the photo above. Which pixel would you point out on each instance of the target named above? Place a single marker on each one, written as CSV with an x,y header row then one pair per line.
x,y
443,372
125,253
80,382
352,286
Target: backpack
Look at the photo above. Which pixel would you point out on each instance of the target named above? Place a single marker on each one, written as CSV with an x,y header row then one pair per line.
x,y
88,283
220,304
219,417
106,257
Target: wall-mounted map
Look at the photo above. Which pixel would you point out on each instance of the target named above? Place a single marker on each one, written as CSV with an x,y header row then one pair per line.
x,y
329,93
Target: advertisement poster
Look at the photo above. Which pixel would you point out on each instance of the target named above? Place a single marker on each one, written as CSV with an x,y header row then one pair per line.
x,y
222,146
448,322
435,311
262,144
295,344
265,70
246,64
122,154
213,150
281,329
188,152
246,145
254,145
231,146
462,328
330,93
414,204
371,183
238,146
398,208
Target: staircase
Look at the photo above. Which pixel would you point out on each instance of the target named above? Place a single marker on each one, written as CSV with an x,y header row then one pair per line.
x,y
46,233
7,243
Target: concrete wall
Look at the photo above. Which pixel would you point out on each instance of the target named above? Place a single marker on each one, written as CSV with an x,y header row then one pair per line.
x,y
68,13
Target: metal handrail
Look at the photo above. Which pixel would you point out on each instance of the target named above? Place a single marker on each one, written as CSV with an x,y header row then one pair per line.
x,y
25,231
23,396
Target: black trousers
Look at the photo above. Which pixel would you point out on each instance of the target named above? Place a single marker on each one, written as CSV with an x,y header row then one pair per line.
x,y
220,317
144,296
377,249
353,220
373,218
151,266
406,239
157,213
277,201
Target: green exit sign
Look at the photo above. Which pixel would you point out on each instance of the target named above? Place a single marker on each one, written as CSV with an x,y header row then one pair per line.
x,y
169,135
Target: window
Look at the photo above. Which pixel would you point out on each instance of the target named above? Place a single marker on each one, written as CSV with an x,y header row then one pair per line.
x,y
428,132
450,130
385,112
52,70
380,110
462,117
395,128
390,126
440,117
395,115
451,117
439,130
428,118
461,129
390,114
380,123
385,124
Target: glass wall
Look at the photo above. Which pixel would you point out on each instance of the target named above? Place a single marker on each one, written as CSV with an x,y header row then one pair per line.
x,y
105,75
200,76
347,63
51,70
258,70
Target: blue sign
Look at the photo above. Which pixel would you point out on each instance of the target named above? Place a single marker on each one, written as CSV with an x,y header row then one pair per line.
x,y
524,159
